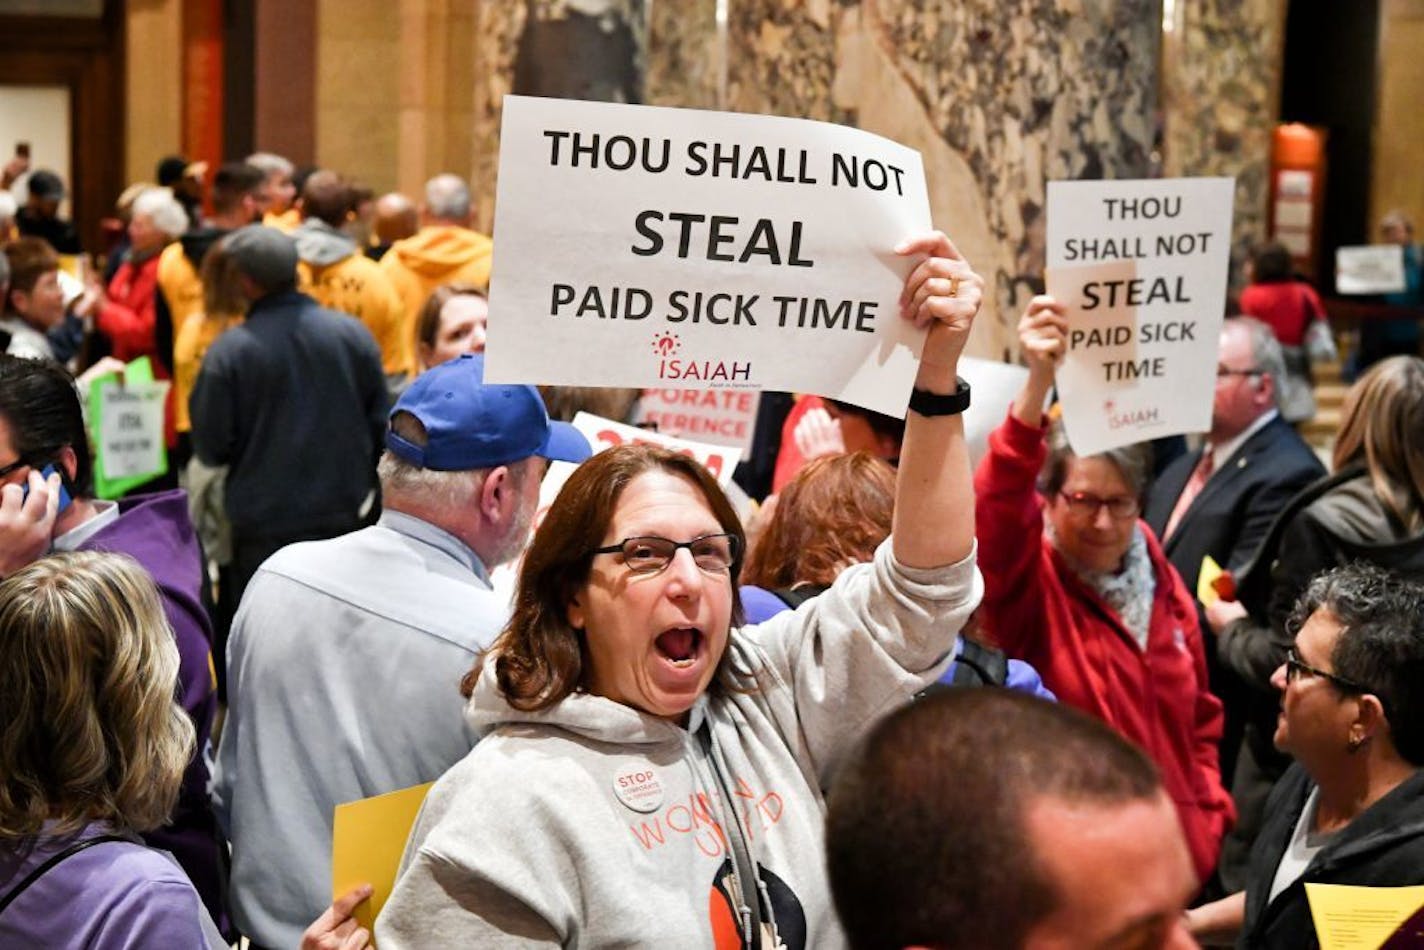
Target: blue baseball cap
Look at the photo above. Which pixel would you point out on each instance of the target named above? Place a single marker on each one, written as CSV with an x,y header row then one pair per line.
x,y
470,425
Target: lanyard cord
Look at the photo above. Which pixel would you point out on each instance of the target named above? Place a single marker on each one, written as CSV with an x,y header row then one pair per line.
x,y
748,881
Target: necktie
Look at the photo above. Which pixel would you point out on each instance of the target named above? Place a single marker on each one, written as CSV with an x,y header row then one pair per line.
x,y
1190,491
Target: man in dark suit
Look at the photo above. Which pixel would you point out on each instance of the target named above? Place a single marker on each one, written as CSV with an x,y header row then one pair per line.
x,y
1221,500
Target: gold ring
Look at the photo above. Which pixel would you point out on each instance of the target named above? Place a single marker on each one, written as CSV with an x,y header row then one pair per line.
x,y
954,286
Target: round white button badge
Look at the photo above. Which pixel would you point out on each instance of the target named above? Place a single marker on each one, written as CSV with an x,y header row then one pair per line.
x,y
639,789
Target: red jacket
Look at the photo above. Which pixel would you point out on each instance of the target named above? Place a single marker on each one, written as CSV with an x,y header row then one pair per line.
x,y
1287,307
1038,611
129,318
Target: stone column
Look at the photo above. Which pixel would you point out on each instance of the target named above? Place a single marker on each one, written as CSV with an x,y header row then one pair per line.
x,y
154,57
1221,82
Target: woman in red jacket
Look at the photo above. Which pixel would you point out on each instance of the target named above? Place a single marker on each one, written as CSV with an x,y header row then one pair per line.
x,y
1076,585
124,312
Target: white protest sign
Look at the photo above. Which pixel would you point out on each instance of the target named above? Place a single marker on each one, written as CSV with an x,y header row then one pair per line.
x,y
1369,269
1141,267
131,439
718,416
676,248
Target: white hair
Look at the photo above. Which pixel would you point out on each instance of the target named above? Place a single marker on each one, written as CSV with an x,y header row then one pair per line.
x,y
160,207
447,197
271,164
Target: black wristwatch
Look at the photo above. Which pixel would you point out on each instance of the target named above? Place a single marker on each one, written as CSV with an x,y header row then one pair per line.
x,y
927,403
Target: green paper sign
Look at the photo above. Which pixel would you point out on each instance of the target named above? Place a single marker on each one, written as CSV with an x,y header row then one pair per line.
x,y
126,415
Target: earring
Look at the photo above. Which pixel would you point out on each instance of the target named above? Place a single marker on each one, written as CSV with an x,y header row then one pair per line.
x,y
1355,745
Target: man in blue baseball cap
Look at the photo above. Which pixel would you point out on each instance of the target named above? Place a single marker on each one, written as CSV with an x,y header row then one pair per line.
x,y
345,659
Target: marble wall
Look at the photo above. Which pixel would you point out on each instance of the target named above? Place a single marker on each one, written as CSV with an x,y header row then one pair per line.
x,y
1221,82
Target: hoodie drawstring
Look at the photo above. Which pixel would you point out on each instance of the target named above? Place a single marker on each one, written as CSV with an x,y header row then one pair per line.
x,y
748,880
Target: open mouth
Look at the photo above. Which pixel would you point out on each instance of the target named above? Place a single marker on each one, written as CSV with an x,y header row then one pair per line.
x,y
680,645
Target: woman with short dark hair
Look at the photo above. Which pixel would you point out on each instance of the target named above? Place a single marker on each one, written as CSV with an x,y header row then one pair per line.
x,y
1351,810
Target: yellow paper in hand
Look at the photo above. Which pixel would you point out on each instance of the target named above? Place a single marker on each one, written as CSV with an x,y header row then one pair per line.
x,y
1360,918
1210,571
367,840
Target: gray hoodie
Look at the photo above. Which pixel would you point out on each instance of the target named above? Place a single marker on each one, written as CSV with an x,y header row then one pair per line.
x,y
321,245
592,824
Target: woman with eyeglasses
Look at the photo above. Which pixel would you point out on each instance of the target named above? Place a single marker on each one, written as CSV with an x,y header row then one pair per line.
x,y
651,772
1351,713
1076,584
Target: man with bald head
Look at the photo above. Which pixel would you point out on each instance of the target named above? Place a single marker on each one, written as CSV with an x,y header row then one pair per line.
x,y
339,276
394,218
444,251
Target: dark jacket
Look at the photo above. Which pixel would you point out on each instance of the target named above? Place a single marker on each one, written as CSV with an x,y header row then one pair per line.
x,y
1382,847
59,233
294,402
1334,522
1236,507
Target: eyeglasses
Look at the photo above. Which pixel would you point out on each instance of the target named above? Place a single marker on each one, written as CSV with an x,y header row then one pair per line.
x,y
1253,371
713,553
1087,505
1295,666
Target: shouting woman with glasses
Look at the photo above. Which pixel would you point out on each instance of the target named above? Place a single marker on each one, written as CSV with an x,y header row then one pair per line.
x,y
1351,810
1076,584
651,772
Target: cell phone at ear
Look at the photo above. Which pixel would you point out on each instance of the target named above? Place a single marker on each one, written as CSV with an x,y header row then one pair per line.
x,y
64,500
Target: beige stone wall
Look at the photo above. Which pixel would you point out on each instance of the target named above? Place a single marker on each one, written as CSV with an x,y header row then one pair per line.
x,y
396,89
357,89
1397,181
153,88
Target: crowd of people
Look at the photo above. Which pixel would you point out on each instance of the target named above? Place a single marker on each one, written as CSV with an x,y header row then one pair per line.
x,y
872,695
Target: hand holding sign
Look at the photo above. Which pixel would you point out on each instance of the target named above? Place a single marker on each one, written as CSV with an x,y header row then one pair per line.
x,y
1043,335
943,293
1043,340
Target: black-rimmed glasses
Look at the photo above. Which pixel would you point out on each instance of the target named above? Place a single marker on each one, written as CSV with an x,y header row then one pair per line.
x,y
1296,666
713,553
1252,371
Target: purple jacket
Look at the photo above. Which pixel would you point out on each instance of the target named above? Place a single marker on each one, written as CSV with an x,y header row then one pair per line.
x,y
155,530
110,896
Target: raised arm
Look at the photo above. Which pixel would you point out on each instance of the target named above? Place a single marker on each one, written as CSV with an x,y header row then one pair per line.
x,y
934,498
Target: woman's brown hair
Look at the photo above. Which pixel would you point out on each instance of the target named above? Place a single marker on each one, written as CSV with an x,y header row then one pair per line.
x,y
89,730
1384,427
427,324
832,515
539,657
223,299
